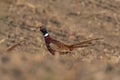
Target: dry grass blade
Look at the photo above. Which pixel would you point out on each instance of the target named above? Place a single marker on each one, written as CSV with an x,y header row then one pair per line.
x,y
13,46
2,40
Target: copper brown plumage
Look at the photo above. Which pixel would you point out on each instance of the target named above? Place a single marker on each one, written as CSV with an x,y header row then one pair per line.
x,y
56,46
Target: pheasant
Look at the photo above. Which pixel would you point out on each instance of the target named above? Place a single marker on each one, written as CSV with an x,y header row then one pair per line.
x,y
54,45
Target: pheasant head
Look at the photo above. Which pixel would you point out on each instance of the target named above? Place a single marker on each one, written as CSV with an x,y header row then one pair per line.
x,y
44,31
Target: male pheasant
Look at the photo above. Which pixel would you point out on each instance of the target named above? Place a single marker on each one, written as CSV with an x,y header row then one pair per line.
x,y
54,45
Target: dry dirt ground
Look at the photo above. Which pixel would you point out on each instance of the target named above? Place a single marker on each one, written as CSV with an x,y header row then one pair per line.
x,y
69,21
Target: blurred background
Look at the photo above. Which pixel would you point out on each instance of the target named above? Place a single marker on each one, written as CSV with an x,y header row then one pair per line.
x,y
69,21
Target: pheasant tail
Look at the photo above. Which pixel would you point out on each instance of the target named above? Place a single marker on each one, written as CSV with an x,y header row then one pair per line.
x,y
84,43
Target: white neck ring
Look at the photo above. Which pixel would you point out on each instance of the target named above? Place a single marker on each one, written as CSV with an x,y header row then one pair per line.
x,y
46,35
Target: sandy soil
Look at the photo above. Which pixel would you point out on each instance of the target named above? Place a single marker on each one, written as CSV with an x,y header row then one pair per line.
x,y
69,21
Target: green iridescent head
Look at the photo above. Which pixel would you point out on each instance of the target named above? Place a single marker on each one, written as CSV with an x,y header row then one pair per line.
x,y
44,30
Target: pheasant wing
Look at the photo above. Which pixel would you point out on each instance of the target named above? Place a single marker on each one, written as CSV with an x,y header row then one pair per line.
x,y
59,46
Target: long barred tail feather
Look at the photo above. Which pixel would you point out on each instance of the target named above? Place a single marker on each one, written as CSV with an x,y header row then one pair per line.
x,y
85,43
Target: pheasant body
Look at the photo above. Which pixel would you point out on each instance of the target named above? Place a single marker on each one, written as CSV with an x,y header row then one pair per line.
x,y
56,46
